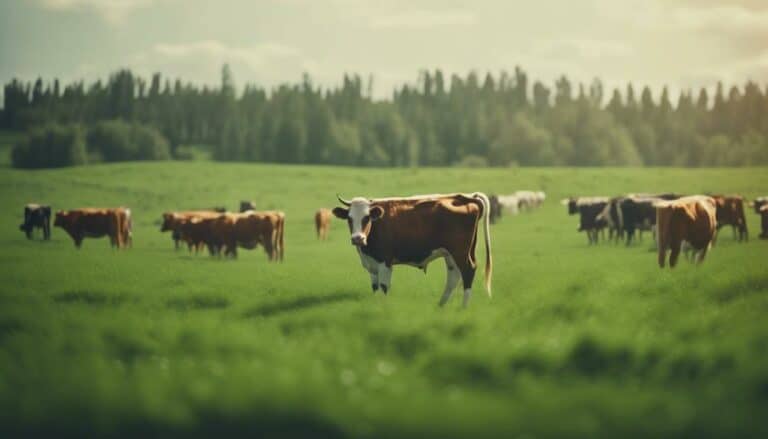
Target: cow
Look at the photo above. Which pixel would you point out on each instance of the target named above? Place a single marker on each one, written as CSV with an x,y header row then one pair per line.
x,y
764,220
494,213
322,223
417,230
689,219
588,209
127,226
730,211
93,223
37,216
245,206
528,200
611,216
759,203
509,203
248,230
172,220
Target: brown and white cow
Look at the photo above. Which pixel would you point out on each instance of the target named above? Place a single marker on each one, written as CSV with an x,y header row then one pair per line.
x,y
322,223
415,231
689,219
730,212
94,223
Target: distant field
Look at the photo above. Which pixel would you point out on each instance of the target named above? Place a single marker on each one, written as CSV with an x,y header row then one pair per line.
x,y
576,340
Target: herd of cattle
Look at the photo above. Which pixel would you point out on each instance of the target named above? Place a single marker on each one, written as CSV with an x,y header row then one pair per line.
x,y
417,230
673,219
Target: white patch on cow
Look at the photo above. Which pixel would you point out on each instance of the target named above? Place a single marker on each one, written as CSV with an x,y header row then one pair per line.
x,y
359,208
371,266
467,295
452,277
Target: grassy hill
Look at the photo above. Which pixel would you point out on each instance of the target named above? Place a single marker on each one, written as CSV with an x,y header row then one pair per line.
x,y
578,340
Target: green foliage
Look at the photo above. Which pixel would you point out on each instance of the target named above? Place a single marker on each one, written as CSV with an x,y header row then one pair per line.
x,y
51,146
576,341
434,122
118,141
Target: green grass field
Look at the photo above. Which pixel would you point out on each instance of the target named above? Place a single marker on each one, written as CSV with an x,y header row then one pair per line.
x,y
575,341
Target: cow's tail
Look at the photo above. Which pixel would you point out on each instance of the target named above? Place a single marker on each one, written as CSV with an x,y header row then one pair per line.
x,y
662,232
282,236
487,233
117,224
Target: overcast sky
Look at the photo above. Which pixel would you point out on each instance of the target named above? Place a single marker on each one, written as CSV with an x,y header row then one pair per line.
x,y
680,43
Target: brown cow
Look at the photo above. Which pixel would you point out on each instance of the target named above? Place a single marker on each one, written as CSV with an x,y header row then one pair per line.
x,y
248,230
322,223
730,211
94,223
690,219
172,222
415,231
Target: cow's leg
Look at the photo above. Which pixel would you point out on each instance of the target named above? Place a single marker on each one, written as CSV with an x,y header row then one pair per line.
x,y
372,267
385,276
674,252
452,276
467,269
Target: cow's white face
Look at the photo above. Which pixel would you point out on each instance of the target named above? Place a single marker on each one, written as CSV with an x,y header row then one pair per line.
x,y
359,216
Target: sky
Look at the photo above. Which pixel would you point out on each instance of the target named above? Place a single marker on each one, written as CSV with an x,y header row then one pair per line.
x,y
683,44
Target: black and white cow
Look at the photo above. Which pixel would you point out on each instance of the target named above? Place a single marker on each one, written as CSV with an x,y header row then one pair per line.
x,y
37,216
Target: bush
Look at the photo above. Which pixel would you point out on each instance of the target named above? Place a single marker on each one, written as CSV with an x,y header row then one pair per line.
x,y
51,146
117,141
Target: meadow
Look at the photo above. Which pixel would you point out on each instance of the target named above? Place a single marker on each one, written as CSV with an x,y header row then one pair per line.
x,y
576,340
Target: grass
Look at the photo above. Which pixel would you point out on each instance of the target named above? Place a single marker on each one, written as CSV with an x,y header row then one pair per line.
x,y
575,341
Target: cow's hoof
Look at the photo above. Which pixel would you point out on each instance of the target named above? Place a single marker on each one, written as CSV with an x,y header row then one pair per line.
x,y
384,288
374,287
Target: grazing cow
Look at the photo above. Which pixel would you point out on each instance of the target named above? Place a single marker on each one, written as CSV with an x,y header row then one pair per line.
x,y
509,203
588,208
93,223
730,211
764,220
37,216
248,230
415,231
172,220
528,200
688,219
245,206
322,223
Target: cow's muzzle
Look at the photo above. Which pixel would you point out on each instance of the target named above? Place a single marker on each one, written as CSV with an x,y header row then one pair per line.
x,y
358,240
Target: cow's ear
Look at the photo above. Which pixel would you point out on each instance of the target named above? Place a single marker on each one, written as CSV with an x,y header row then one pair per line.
x,y
341,213
376,212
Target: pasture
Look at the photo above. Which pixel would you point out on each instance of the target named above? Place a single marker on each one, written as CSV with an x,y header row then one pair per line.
x,y
577,340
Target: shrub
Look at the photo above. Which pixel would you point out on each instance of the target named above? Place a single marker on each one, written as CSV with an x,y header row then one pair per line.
x,y
51,146
116,141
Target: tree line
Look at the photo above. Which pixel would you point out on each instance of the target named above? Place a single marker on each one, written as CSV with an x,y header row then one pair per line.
x,y
472,120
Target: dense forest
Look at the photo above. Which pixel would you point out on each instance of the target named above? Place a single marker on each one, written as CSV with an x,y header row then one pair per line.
x,y
490,120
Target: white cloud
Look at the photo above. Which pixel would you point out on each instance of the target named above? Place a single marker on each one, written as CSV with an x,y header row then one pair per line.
x,y
113,11
582,48
255,57
731,19
423,20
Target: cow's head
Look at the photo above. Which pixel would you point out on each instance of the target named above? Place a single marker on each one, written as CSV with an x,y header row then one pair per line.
x,y
360,213
62,218
571,203
169,221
